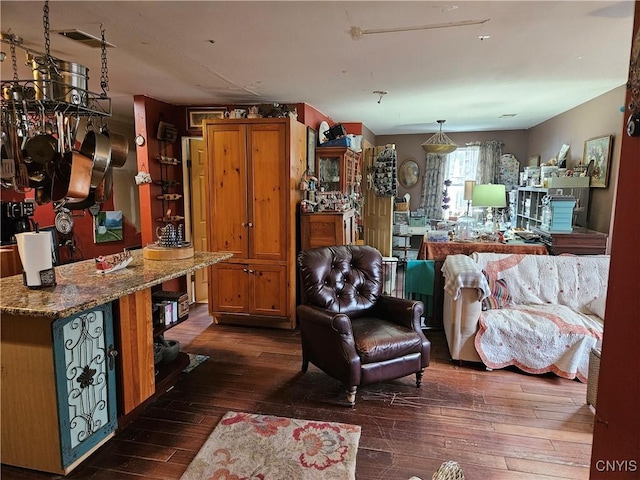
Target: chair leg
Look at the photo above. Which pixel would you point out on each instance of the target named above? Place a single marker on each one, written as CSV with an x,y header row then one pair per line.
x,y
305,365
419,378
351,396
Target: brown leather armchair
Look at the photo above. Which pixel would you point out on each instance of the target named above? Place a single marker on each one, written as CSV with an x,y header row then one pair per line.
x,y
349,330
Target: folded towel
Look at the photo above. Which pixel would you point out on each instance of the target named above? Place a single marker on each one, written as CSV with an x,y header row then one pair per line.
x,y
460,271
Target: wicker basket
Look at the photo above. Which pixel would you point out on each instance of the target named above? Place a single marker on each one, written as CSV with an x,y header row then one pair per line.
x,y
594,372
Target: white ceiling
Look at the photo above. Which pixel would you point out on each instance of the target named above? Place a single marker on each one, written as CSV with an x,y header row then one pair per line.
x,y
542,57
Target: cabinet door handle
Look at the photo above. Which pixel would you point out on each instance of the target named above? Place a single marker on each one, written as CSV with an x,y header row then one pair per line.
x,y
250,224
112,353
248,270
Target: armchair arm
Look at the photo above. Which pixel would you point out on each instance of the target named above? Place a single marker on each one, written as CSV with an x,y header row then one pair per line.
x,y
400,310
337,322
460,271
327,342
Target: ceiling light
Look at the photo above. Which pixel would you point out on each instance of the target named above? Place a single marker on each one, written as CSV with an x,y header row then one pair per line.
x,y
440,143
380,93
508,115
484,37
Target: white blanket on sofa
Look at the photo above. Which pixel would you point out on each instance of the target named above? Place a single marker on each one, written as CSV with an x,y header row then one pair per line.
x,y
538,339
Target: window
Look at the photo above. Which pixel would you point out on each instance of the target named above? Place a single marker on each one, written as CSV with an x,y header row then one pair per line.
x,y
461,165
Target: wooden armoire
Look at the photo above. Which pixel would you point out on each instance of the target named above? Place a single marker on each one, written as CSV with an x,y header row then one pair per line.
x,y
254,167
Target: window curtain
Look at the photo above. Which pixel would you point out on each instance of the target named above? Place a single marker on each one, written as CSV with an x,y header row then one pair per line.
x,y
488,161
432,185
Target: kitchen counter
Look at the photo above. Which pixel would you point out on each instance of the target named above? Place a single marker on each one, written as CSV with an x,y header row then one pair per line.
x,y
78,358
80,287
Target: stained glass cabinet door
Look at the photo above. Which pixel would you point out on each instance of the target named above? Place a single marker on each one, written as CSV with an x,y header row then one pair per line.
x,y
84,356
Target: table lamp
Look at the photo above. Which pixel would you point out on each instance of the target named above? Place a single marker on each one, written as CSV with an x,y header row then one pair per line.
x,y
490,196
464,229
468,192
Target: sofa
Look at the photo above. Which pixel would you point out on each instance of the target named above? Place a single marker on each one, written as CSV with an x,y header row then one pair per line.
x,y
539,313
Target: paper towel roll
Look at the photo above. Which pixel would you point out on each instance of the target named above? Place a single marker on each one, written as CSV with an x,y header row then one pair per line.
x,y
35,252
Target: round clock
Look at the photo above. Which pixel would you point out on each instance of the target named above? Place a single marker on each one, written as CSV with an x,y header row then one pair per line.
x,y
633,125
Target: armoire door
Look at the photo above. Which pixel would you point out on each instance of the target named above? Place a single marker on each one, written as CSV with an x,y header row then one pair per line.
x,y
268,191
227,160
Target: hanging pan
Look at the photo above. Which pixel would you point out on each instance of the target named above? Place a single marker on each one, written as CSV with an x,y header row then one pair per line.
x,y
119,148
97,147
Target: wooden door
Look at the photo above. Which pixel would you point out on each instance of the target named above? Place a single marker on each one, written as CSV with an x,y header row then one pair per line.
x,y
231,292
198,213
268,290
267,191
378,211
228,193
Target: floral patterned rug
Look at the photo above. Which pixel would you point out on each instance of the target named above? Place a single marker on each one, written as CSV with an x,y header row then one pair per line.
x,y
246,446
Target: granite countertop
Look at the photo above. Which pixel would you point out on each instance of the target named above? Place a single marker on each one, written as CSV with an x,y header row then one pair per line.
x,y
80,287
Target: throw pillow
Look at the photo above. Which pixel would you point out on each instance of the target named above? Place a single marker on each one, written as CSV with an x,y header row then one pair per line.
x,y
500,296
596,306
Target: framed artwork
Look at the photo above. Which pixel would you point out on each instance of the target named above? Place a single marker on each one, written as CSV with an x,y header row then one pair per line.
x,y
598,150
195,116
534,161
312,141
409,173
108,227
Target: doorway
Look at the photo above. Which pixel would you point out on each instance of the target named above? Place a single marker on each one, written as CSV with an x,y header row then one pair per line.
x,y
195,211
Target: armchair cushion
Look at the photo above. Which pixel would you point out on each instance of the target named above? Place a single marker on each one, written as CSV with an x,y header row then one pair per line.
x,y
378,340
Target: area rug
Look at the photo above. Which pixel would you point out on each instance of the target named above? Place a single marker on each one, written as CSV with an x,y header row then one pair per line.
x,y
195,359
247,446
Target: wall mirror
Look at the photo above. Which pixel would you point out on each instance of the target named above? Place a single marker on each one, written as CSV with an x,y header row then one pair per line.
x,y
409,173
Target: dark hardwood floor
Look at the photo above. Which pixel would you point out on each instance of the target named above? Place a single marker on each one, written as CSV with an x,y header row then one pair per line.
x,y
502,425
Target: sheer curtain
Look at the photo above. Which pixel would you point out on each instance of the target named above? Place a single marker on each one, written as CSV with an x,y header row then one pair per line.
x,y
489,161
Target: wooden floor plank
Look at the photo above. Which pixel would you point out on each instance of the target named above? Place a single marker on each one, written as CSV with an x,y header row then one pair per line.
x,y
499,425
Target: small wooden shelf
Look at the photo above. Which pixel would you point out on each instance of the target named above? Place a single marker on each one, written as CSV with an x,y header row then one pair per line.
x,y
159,330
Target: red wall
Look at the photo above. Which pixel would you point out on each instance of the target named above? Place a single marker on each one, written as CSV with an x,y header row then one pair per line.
x,y
81,236
616,434
148,114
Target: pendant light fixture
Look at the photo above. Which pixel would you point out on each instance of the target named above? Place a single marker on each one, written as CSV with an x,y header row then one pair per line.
x,y
440,143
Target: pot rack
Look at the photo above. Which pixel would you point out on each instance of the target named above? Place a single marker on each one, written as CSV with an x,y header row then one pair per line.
x,y
47,95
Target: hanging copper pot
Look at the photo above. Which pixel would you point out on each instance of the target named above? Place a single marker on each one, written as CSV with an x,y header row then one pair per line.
x,y
97,147
119,148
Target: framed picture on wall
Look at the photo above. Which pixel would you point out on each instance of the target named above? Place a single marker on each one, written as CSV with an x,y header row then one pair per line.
x,y
598,150
195,116
312,141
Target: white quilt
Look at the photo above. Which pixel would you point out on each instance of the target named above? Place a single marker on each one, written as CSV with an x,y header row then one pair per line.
x,y
538,339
